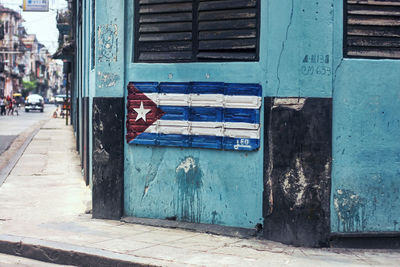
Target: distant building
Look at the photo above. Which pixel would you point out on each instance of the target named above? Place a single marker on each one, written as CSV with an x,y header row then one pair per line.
x,y
24,58
10,51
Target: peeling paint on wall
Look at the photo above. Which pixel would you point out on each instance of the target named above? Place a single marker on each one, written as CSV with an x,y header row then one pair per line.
x,y
189,200
294,184
297,170
107,38
350,208
295,103
107,79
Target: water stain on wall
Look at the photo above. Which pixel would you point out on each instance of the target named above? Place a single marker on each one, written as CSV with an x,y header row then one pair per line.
x,y
350,209
189,181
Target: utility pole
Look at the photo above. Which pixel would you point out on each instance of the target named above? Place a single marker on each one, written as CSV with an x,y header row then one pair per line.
x,y
66,101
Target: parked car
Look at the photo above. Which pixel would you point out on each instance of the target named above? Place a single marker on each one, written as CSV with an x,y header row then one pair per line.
x,y
60,99
34,102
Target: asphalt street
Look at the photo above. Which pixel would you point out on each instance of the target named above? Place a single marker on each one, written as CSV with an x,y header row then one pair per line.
x,y
9,260
12,126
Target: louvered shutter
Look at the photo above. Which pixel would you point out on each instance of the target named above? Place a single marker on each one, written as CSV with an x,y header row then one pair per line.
x,y
163,30
372,28
227,30
199,30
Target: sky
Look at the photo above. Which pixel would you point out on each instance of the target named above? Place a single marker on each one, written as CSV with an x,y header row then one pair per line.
x,y
43,24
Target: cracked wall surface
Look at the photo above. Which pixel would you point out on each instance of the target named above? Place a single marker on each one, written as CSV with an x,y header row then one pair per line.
x,y
299,48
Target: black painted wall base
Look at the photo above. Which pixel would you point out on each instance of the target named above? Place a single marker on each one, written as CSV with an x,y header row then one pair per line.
x,y
108,157
85,139
297,170
77,124
378,240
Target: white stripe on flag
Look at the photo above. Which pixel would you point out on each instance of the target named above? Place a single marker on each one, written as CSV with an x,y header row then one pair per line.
x,y
227,129
206,100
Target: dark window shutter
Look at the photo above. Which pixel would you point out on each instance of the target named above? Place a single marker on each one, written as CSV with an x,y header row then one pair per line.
x,y
372,28
227,30
198,30
163,30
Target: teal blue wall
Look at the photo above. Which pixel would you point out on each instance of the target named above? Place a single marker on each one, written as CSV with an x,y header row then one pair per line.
x,y
109,71
231,182
366,147
84,83
366,153
294,31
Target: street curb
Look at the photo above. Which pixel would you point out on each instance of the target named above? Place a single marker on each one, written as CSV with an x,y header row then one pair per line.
x,y
66,254
215,229
4,172
10,166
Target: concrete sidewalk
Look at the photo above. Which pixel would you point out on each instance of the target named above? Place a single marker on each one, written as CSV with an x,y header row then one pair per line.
x,y
42,216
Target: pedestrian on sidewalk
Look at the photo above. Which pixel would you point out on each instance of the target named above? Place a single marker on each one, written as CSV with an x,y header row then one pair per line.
x,y
15,106
2,106
10,106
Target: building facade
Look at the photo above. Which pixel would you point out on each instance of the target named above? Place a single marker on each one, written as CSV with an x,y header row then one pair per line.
x,y
274,116
24,58
10,51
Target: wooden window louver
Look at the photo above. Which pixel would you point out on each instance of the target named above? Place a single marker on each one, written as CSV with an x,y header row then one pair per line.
x,y
372,29
202,30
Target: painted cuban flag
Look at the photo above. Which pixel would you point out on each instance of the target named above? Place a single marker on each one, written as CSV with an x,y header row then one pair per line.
x,y
195,114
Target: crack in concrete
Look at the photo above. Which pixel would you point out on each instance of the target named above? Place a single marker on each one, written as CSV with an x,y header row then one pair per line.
x,y
283,48
157,157
335,74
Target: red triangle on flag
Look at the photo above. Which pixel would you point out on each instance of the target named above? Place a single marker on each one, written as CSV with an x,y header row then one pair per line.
x,y
141,112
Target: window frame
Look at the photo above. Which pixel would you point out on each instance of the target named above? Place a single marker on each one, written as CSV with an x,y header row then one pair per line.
x,y
345,46
195,39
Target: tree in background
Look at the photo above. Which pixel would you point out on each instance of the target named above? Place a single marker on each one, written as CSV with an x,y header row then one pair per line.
x,y
29,86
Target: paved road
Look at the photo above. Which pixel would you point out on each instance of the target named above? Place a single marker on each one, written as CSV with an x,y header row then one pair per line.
x,y
8,261
12,126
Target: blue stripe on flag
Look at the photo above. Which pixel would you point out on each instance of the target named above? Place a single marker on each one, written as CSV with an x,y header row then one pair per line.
x,y
200,88
211,114
173,88
175,113
147,87
241,144
242,115
243,89
205,114
197,141
173,140
207,88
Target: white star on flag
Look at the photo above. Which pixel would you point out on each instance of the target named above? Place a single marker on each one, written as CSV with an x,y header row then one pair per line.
x,y
141,111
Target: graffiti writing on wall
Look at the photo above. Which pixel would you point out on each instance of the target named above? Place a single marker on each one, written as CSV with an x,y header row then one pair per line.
x,y
314,64
107,36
